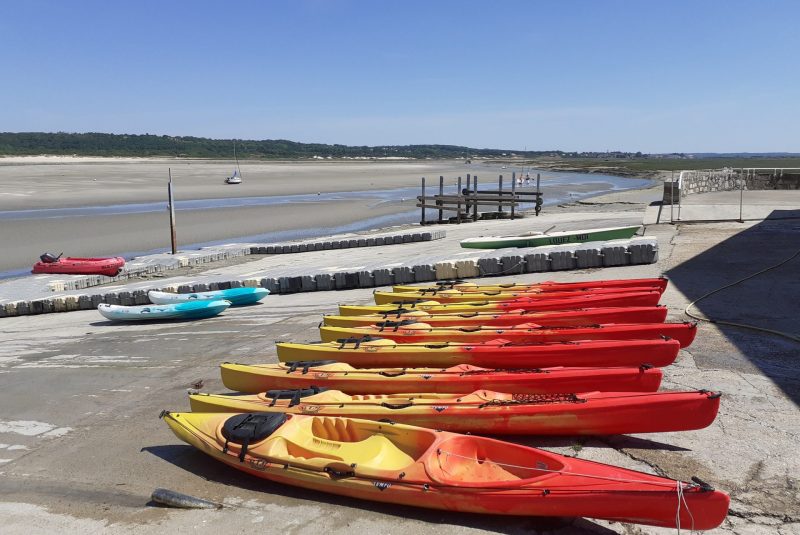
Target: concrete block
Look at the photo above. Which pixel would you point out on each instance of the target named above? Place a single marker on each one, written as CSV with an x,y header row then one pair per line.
x,y
489,266
426,236
271,249
250,283
424,273
317,246
303,247
294,248
396,239
23,308
365,279
324,281
345,280
224,285
512,264
615,253
71,302
271,284
467,269
406,238
371,242
446,270
97,299
416,236
382,277
643,250
290,285
352,243
402,275
126,299
56,286
3,312
111,298
85,302
307,284
588,256
327,245
381,240
236,284
58,304
562,260
537,262
184,289
199,287
362,242
140,297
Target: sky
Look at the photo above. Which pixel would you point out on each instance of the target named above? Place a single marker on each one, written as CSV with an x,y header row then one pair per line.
x,y
587,75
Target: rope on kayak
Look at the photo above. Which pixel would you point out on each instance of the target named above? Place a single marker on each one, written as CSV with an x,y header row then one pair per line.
x,y
480,269
591,476
743,325
682,501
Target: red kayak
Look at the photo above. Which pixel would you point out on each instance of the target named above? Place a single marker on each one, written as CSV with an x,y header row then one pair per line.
x,y
626,299
409,331
369,353
255,378
81,266
555,318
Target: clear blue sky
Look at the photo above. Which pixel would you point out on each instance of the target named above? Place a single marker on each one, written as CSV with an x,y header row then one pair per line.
x,y
655,76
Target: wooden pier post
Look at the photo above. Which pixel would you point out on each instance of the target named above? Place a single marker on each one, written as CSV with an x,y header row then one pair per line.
x,y
422,220
539,196
441,192
459,193
474,198
500,190
513,190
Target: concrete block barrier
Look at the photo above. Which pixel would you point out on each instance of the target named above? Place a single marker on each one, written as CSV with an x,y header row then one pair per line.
x,y
446,270
615,254
324,281
512,265
424,273
588,256
382,277
643,250
467,269
403,275
489,266
365,279
308,284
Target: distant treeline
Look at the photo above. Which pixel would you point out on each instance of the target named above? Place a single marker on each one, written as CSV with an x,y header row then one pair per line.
x,y
97,144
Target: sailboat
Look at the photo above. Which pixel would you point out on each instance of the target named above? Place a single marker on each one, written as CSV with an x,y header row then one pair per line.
x,y
236,177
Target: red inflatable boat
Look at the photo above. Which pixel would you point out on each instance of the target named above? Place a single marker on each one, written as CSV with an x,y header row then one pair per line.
x,y
79,266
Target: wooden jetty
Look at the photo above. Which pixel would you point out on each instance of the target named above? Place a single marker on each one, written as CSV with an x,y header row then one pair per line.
x,y
466,202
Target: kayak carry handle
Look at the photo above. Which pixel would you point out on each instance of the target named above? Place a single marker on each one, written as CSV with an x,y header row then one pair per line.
x,y
393,374
394,325
404,405
705,487
304,365
357,341
293,395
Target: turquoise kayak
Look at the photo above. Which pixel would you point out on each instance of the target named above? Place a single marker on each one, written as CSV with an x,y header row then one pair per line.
x,y
237,296
553,238
191,310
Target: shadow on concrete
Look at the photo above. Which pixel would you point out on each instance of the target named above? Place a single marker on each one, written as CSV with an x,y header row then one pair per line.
x,y
770,300
190,459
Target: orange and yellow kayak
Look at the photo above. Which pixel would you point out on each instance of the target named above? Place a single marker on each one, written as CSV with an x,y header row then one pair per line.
x,y
456,296
407,465
549,286
498,353
255,378
410,331
402,301
555,318
493,413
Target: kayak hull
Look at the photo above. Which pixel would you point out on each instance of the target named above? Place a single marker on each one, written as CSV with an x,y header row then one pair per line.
x,y
406,465
556,318
462,285
81,266
491,413
645,299
253,379
178,311
456,296
237,296
555,238
490,354
421,332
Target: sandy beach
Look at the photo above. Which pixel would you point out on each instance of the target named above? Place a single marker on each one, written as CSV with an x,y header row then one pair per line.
x,y
34,183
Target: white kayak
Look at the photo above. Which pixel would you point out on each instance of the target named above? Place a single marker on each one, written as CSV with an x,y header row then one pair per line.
x,y
189,310
237,296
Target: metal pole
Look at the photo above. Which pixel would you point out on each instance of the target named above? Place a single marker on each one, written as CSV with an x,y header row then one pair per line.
x,y
741,196
422,220
672,198
171,213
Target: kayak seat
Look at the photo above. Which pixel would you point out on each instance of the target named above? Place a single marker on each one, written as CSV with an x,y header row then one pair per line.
x,y
464,461
245,429
337,439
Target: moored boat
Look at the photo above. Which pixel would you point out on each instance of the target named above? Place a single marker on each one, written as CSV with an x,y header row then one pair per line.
x,y
498,353
412,331
551,238
407,465
555,318
647,298
488,412
237,296
80,266
255,378
176,311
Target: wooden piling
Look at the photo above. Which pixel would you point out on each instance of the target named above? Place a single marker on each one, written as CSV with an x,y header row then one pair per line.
x,y
422,219
500,189
475,194
441,192
513,190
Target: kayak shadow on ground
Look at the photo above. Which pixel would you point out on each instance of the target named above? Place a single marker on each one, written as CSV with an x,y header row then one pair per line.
x,y
767,300
176,321
199,464
617,442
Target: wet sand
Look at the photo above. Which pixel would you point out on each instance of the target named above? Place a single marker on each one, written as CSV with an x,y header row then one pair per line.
x,y
56,182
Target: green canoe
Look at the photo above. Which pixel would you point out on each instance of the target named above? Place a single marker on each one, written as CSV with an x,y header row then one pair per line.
x,y
553,238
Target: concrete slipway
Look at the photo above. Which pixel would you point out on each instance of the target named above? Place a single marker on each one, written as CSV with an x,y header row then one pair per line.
x,y
81,446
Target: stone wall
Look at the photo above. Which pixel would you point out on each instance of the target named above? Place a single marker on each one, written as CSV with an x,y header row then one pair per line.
x,y
734,179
